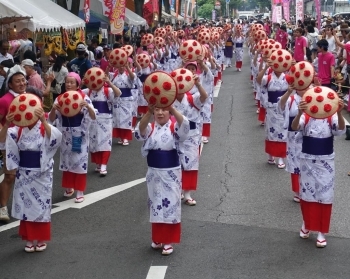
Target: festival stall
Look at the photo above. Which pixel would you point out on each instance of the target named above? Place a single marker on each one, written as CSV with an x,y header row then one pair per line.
x,y
47,25
98,25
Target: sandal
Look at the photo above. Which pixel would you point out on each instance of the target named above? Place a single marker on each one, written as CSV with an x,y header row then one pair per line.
x,y
156,245
190,202
29,249
120,142
281,166
167,251
271,161
40,247
68,193
304,234
79,200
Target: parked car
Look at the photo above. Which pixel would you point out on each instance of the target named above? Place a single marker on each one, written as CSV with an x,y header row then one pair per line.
x,y
343,15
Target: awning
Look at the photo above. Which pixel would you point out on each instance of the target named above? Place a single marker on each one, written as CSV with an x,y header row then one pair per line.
x,y
96,20
43,14
179,17
166,15
11,14
133,19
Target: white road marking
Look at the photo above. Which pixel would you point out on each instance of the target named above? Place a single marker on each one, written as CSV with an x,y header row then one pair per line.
x,y
89,199
156,272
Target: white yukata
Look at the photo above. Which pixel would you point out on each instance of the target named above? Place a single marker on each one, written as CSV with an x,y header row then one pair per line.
x,y
31,153
77,126
207,81
123,105
142,75
164,184
174,59
294,138
317,171
274,123
238,42
100,132
190,157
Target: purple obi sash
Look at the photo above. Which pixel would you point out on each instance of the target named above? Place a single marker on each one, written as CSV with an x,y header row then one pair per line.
x,y
101,106
291,118
274,95
163,159
74,121
193,125
143,77
239,44
317,146
126,92
173,56
29,159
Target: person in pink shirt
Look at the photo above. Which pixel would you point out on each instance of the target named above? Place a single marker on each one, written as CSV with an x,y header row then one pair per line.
x,y
300,46
15,84
345,46
267,28
283,36
326,63
34,79
104,61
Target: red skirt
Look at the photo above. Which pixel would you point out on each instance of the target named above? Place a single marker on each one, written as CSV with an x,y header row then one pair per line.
x,y
122,133
166,233
219,75
31,231
77,181
100,157
215,80
316,216
251,77
189,180
142,109
262,114
238,64
134,121
295,182
276,148
206,130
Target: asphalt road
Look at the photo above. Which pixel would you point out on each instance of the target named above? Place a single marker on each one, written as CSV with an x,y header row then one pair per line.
x,y
245,224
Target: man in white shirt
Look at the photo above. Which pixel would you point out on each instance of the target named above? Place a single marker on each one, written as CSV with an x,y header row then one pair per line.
x,y
4,55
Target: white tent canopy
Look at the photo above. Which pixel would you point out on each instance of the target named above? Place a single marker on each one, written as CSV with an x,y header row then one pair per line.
x,y
133,19
44,14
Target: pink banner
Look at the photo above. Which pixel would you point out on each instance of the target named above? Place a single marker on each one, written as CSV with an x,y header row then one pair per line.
x,y
318,13
118,15
299,10
286,14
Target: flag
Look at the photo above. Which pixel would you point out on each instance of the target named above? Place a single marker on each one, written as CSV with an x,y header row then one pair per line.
x,y
87,10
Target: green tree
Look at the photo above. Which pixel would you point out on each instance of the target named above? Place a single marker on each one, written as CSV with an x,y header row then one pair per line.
x,y
205,10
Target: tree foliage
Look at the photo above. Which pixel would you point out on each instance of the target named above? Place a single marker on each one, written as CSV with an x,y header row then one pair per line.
x,y
205,10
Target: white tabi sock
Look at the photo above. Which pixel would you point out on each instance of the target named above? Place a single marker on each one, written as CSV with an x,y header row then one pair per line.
x,y
29,243
280,161
321,236
270,157
80,194
187,195
103,167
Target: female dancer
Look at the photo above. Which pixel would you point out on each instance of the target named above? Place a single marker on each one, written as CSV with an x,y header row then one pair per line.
x,y
161,146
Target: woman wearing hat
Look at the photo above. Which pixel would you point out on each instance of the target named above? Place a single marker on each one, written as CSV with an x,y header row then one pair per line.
x,y
190,106
74,164
317,172
238,41
162,143
273,86
32,149
123,106
100,132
